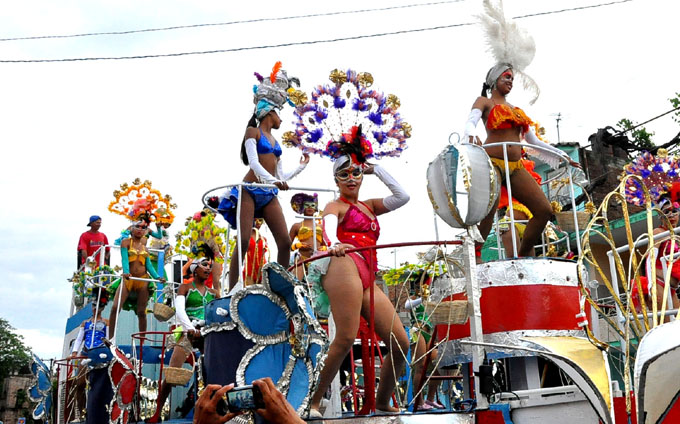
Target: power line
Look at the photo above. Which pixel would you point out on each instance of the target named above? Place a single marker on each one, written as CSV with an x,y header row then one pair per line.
x,y
298,43
248,21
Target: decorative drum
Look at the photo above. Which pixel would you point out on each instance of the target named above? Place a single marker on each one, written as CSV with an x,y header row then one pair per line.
x,y
462,185
520,298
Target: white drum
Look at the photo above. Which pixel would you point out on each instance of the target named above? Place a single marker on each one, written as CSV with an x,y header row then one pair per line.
x,y
462,185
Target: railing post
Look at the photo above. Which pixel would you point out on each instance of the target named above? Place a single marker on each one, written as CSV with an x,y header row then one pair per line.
x,y
474,310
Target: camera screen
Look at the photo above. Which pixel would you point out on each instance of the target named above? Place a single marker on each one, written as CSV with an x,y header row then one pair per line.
x,y
241,399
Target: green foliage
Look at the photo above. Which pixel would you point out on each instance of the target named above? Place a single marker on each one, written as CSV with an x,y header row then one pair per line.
x,y
675,101
641,137
13,353
401,275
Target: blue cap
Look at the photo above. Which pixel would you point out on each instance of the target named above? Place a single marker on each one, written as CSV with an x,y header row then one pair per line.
x,y
93,218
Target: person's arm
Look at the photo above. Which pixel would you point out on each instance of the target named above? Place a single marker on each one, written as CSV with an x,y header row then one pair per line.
x,y
412,303
125,260
206,406
254,163
398,198
181,313
471,125
82,249
107,252
552,160
216,275
285,176
151,270
78,343
277,409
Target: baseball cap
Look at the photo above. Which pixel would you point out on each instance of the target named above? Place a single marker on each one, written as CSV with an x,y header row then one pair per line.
x,y
93,218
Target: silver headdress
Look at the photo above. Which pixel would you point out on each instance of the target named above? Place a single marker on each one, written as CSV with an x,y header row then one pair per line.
x,y
510,45
272,92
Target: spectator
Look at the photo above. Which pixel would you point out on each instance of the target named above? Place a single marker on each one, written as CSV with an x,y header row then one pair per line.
x,y
91,240
277,410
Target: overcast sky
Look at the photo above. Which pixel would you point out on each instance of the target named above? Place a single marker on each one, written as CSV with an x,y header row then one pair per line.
x,y
72,132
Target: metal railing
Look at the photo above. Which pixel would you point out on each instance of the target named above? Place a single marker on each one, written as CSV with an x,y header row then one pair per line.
x,y
508,186
238,211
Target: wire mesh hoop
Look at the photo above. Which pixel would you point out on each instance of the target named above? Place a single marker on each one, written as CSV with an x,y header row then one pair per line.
x,y
449,312
179,376
163,312
566,220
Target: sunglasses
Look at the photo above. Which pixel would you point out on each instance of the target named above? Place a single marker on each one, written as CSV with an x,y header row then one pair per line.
x,y
353,173
141,227
206,264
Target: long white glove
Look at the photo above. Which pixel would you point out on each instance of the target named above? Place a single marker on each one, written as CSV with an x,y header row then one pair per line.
x,y
79,340
412,303
181,313
471,124
285,176
254,162
399,196
552,160
330,223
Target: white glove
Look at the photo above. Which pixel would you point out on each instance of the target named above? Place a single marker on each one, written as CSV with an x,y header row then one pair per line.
x,y
399,196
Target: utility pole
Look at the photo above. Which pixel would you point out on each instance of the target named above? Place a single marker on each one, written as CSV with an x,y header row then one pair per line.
x,y
558,119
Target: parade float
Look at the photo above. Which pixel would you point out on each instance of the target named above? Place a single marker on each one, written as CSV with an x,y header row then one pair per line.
x,y
520,340
556,338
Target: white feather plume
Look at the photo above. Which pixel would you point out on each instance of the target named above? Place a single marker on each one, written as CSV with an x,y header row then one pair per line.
x,y
508,42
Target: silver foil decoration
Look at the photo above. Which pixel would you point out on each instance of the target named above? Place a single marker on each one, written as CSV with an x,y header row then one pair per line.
x,y
306,332
528,271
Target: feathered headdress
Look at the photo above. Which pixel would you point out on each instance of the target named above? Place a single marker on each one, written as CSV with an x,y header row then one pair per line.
x,y
660,174
349,111
272,92
509,44
140,201
202,238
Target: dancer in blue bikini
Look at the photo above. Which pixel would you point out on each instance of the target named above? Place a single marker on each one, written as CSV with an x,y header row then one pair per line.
x,y
262,153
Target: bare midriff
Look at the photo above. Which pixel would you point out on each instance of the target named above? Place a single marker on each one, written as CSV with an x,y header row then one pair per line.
x,y
504,135
268,161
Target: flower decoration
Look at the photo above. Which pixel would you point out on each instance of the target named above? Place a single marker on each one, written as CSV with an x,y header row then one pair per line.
x,y
85,281
124,380
41,389
336,110
141,201
290,345
200,231
658,174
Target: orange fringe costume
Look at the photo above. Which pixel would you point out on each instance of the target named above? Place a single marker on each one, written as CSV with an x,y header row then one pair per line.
x,y
256,257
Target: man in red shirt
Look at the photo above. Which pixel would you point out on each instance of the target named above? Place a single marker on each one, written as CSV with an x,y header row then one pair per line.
x,y
92,240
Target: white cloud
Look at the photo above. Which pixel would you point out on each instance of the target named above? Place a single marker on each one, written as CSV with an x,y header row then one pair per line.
x,y
43,343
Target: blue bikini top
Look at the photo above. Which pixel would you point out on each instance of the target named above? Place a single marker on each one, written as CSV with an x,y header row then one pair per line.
x,y
264,146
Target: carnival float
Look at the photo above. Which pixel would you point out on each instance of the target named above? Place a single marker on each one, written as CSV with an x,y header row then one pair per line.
x,y
574,333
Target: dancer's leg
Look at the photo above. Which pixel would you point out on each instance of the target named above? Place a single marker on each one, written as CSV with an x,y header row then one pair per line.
x,y
179,355
527,191
273,216
245,228
344,289
142,300
391,331
119,299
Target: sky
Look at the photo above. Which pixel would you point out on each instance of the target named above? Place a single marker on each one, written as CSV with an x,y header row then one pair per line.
x,y
72,132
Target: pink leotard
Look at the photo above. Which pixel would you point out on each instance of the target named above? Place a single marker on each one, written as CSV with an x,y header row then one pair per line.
x,y
360,230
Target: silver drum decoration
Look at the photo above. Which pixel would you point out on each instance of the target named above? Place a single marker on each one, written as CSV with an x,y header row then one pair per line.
x,y
462,185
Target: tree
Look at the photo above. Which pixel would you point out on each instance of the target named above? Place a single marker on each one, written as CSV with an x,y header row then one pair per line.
x,y
14,355
634,138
